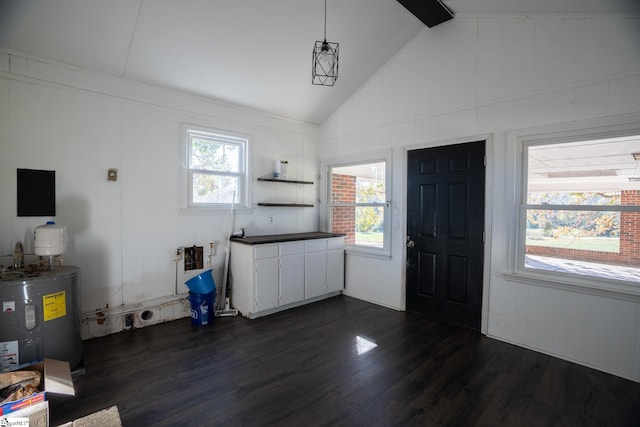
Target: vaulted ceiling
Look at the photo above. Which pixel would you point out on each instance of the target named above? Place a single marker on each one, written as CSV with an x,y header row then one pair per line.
x,y
254,53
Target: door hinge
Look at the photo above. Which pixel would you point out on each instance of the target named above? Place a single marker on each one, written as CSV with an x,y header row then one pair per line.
x,y
483,236
484,161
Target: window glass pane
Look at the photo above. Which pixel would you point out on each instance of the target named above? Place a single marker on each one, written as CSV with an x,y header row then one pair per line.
x,y
362,183
359,186
369,226
599,172
206,154
586,198
605,165
575,230
369,191
212,155
209,188
231,158
343,220
363,225
216,169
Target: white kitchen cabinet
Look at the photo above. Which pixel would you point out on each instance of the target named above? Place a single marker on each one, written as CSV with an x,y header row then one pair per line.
x,y
315,268
335,264
266,274
291,273
272,273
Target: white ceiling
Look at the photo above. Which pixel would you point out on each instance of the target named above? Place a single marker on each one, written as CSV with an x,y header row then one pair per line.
x,y
254,53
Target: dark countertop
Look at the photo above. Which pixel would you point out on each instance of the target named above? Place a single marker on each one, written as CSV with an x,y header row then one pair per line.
x,y
278,238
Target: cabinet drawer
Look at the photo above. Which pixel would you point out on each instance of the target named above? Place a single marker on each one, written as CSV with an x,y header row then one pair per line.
x,y
292,248
268,251
316,245
337,243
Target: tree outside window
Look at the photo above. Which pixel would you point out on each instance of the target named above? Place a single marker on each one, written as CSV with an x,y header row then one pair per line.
x,y
216,168
358,203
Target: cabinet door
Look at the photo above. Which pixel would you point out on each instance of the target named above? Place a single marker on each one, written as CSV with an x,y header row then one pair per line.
x,y
315,274
291,278
335,270
266,277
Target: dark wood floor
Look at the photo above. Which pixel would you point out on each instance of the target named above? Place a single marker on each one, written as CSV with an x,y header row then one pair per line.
x,y
302,368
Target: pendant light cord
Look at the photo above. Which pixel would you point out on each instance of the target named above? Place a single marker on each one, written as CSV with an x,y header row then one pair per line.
x,y
325,20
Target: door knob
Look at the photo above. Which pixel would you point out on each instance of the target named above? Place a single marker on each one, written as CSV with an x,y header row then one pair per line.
x,y
410,244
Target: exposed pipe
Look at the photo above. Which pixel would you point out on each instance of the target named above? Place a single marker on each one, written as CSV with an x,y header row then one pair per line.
x,y
93,316
177,261
212,250
18,256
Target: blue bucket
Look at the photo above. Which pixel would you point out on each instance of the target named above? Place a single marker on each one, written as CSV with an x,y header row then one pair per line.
x,y
202,308
202,283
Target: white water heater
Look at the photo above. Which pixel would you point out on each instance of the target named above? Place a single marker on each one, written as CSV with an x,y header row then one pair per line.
x,y
50,239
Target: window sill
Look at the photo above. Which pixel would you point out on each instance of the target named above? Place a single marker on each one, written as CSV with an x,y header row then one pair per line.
x,y
366,254
214,211
585,285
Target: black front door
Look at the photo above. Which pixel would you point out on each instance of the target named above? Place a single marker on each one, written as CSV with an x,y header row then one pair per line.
x,y
445,232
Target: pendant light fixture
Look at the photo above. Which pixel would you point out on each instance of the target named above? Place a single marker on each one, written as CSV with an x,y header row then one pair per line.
x,y
324,66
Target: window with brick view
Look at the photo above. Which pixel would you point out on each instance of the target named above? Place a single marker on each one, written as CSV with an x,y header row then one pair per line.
x,y
358,203
582,208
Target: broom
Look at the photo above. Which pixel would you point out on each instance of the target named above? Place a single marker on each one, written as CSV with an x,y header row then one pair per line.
x,y
224,307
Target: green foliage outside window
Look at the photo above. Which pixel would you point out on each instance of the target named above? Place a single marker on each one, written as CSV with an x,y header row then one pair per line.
x,y
369,218
562,223
216,166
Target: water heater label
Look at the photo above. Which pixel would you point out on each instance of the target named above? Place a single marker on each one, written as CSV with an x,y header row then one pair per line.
x,y
54,306
8,355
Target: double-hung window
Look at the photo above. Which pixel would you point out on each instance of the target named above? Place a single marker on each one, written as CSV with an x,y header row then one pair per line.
x,y
216,169
358,204
580,207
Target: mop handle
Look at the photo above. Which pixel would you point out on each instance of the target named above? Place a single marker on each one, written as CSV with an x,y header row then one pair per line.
x,y
226,256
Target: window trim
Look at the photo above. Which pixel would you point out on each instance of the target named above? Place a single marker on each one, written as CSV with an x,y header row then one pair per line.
x,y
244,140
356,159
516,244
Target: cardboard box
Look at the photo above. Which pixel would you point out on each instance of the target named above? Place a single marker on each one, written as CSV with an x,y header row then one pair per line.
x,y
56,378
36,415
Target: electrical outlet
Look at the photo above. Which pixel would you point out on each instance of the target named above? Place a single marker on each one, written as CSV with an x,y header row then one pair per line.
x,y
270,219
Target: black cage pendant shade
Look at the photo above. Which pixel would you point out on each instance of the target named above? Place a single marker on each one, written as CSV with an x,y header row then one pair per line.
x,y
324,66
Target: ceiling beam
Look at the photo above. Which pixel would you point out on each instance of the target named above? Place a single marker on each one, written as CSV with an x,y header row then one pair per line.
x,y
430,12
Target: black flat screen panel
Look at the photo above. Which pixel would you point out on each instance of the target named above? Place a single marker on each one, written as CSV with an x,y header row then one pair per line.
x,y
36,192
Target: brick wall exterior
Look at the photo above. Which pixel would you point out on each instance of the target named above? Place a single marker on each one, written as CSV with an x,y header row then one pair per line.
x,y
629,240
630,228
343,219
581,255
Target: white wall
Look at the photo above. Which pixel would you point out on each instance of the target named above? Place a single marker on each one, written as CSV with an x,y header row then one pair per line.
x,y
124,234
482,77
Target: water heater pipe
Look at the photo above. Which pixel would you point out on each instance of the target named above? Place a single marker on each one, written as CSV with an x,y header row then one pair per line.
x,y
177,260
212,251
